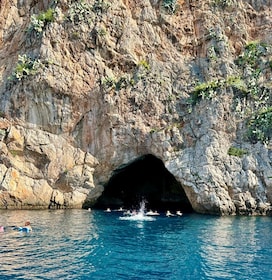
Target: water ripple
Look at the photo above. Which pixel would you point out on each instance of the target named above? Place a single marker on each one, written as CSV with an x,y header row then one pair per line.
x,y
78,244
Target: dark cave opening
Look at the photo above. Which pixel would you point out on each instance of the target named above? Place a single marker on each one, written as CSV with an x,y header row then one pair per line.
x,y
145,178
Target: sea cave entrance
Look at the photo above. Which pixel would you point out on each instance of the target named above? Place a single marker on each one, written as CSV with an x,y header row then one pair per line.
x,y
145,178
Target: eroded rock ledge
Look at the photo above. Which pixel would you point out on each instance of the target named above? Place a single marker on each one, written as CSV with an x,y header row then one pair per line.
x,y
87,87
42,170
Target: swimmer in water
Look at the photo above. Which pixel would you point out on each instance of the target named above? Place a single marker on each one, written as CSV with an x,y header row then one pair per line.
x,y
27,226
169,214
152,213
179,213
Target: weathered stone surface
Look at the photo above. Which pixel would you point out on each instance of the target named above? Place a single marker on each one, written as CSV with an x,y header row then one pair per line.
x,y
115,83
41,170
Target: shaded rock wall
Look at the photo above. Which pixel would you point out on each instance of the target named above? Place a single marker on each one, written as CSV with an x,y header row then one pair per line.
x,y
117,80
144,179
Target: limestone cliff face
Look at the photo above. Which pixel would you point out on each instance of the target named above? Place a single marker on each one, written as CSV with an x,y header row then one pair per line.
x,y
39,170
89,86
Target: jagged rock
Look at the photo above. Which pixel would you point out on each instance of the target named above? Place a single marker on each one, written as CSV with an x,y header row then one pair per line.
x,y
41,170
117,81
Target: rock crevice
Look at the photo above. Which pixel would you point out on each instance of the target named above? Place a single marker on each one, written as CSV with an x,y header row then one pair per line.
x,y
89,86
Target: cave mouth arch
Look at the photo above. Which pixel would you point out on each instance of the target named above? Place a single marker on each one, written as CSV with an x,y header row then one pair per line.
x,y
145,178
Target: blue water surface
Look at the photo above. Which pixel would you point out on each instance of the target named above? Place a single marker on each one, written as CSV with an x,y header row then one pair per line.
x,y
78,244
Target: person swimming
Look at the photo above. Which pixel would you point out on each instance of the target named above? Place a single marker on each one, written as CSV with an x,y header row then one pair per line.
x,y
2,228
26,228
179,213
169,214
152,213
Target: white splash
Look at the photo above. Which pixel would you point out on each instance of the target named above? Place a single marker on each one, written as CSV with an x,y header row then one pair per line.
x,y
138,216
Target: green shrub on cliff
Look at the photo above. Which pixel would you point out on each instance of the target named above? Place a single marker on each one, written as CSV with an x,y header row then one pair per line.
x,y
108,82
233,151
260,126
255,107
25,66
80,12
208,90
254,61
38,22
251,54
112,83
144,64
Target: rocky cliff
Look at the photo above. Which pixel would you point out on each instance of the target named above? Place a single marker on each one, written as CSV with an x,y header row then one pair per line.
x,y
89,86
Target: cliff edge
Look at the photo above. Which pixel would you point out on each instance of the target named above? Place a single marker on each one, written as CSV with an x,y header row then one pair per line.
x,y
89,86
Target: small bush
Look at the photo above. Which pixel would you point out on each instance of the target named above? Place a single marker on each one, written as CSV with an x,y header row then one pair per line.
x,y
233,151
205,90
260,126
38,22
116,84
144,64
251,54
254,65
237,83
208,90
47,16
108,82
25,66
80,12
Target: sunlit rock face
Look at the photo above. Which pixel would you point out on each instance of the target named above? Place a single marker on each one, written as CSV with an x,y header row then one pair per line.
x,y
42,170
105,83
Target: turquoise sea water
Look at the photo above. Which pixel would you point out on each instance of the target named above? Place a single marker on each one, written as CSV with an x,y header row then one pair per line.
x,y
78,244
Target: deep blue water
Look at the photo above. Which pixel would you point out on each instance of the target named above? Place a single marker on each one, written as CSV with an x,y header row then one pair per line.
x,y
77,244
